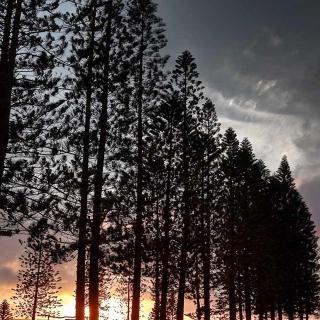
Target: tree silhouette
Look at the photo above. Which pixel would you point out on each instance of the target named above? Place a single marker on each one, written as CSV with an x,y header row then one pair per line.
x,y
5,311
36,291
147,32
185,82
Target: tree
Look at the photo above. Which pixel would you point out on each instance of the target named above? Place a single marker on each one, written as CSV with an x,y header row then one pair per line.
x,y
295,238
5,311
147,34
111,54
227,245
29,54
9,46
209,154
170,113
254,239
90,14
188,88
36,291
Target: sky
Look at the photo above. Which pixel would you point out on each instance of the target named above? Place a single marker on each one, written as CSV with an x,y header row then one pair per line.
x,y
260,64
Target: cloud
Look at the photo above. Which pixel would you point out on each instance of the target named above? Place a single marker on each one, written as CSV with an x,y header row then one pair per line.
x,y
7,276
310,191
260,63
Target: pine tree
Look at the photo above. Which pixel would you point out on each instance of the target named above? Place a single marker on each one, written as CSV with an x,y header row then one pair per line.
x,y
36,291
188,88
146,29
254,241
9,46
5,311
209,154
295,239
170,113
227,245
110,54
82,223
27,178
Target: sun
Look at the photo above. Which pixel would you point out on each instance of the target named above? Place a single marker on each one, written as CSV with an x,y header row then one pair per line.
x,y
68,305
116,309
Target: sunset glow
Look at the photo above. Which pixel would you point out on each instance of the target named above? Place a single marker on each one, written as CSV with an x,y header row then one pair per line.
x,y
116,308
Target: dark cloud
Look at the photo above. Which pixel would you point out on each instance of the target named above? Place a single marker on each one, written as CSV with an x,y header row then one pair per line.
x,y
7,276
258,58
239,43
13,249
310,192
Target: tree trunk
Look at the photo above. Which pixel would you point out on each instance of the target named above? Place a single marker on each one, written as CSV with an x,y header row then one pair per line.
x,y
260,314
81,261
231,283
231,274
35,300
198,309
186,214
7,66
128,297
279,312
272,312
157,266
247,296
205,247
166,240
98,184
290,315
240,308
138,230
301,310
232,298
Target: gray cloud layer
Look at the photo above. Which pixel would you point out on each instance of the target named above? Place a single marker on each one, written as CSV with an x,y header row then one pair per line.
x,y
260,61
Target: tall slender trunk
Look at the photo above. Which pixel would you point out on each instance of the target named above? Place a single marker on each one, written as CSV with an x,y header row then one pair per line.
x,y
232,298
138,229
157,266
231,286
36,289
272,312
279,311
240,307
7,66
290,315
260,313
307,309
186,213
290,309
166,239
231,274
198,309
128,296
205,248
98,182
82,236
301,310
247,296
